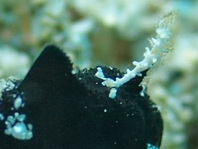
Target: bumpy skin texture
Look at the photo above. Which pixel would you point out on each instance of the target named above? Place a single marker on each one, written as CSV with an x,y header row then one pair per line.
x,y
74,111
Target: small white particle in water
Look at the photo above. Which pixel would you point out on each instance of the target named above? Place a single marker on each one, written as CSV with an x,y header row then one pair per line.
x,y
1,117
17,103
103,84
99,73
105,110
30,126
14,95
150,146
16,114
112,93
8,131
21,117
19,131
19,127
11,119
115,142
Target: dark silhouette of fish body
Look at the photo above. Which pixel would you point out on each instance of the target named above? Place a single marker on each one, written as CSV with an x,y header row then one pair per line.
x,y
73,111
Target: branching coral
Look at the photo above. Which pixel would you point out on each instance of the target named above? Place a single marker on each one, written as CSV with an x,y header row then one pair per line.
x,y
159,46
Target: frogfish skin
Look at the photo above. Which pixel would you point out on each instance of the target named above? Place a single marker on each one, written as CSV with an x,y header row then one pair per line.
x,y
53,108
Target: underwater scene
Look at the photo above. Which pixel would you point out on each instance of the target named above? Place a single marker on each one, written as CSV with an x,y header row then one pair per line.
x,y
98,74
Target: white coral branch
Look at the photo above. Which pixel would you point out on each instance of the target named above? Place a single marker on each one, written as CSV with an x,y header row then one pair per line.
x,y
159,46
